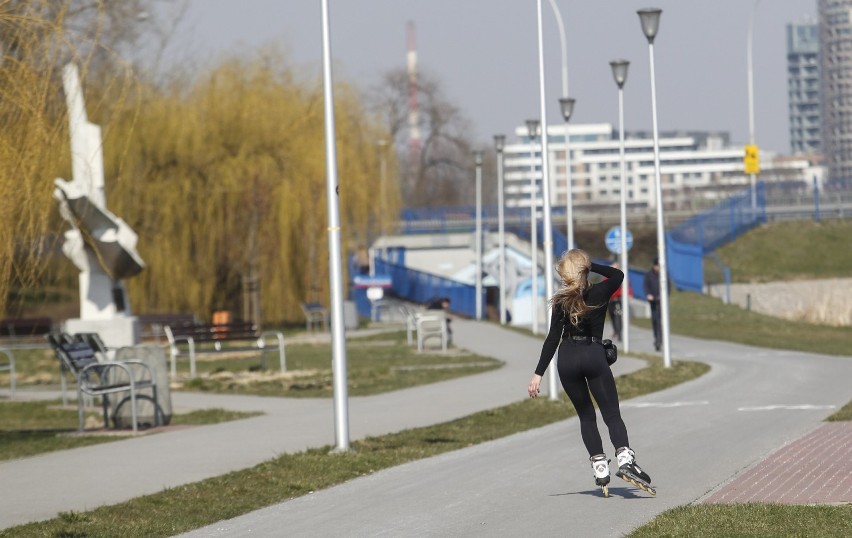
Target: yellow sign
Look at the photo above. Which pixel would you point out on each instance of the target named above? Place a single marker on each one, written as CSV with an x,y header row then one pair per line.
x,y
751,159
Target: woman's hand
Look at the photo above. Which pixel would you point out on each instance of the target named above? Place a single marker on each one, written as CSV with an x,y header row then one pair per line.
x,y
534,385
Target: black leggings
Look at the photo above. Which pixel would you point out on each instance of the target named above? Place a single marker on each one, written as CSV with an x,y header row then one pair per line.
x,y
583,368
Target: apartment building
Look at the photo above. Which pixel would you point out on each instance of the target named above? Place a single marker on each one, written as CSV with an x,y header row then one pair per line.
x,y
696,168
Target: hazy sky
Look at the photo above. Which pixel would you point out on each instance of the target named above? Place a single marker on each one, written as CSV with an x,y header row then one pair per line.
x,y
484,53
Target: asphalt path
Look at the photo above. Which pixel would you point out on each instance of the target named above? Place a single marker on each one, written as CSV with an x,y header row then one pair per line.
x,y
692,439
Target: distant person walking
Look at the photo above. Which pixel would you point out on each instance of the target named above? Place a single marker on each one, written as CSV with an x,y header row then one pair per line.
x,y
652,293
576,328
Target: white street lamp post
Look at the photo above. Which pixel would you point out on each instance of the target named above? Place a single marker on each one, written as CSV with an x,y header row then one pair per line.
x,y
478,160
382,186
566,106
752,178
499,144
338,335
564,43
547,240
532,130
650,20
619,73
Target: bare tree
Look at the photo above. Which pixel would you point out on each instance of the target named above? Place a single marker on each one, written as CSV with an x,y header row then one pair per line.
x,y
440,172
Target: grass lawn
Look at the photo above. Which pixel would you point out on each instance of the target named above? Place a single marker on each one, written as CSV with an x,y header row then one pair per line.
x,y
693,314
844,414
376,364
750,520
187,507
788,251
28,428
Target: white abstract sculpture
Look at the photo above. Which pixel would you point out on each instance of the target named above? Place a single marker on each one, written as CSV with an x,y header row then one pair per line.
x,y
101,245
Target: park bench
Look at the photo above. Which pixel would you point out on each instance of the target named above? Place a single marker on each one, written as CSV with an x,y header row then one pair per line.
x,y
430,326
315,314
152,325
16,331
82,356
195,336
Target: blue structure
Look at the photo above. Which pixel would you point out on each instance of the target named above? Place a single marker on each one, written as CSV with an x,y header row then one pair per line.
x,y
687,244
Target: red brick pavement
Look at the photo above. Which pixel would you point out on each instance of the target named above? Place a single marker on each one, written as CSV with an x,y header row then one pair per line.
x,y
816,469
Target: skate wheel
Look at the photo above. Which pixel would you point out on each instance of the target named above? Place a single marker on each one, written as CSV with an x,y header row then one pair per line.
x,y
605,490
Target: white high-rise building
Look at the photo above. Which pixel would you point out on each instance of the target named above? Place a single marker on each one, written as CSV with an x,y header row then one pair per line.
x,y
694,167
803,85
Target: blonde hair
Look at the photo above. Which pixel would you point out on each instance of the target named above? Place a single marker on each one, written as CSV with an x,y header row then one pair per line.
x,y
573,268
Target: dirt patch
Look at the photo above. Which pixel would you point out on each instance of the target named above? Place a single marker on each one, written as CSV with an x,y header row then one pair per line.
x,y
247,378
827,302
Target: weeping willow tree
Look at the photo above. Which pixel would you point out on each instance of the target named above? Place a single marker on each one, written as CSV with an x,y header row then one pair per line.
x,y
224,178
37,37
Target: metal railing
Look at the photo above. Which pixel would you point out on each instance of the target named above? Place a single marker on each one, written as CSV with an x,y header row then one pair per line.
x,y
419,287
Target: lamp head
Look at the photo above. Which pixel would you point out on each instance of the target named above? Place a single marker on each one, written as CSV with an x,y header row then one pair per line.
x,y
650,20
477,158
499,142
532,128
566,106
619,71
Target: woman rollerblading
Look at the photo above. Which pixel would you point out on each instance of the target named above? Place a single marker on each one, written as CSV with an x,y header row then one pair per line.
x,y
576,328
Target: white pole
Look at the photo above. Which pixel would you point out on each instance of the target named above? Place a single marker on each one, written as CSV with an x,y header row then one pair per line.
x,y
569,187
533,242
501,225
478,276
625,286
382,188
564,44
338,335
545,196
661,231
621,78
569,193
751,137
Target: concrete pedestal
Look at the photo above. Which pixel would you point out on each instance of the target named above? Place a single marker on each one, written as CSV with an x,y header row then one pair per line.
x,y
116,332
155,358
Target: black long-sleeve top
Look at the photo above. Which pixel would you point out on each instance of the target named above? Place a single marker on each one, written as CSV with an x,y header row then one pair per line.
x,y
592,324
